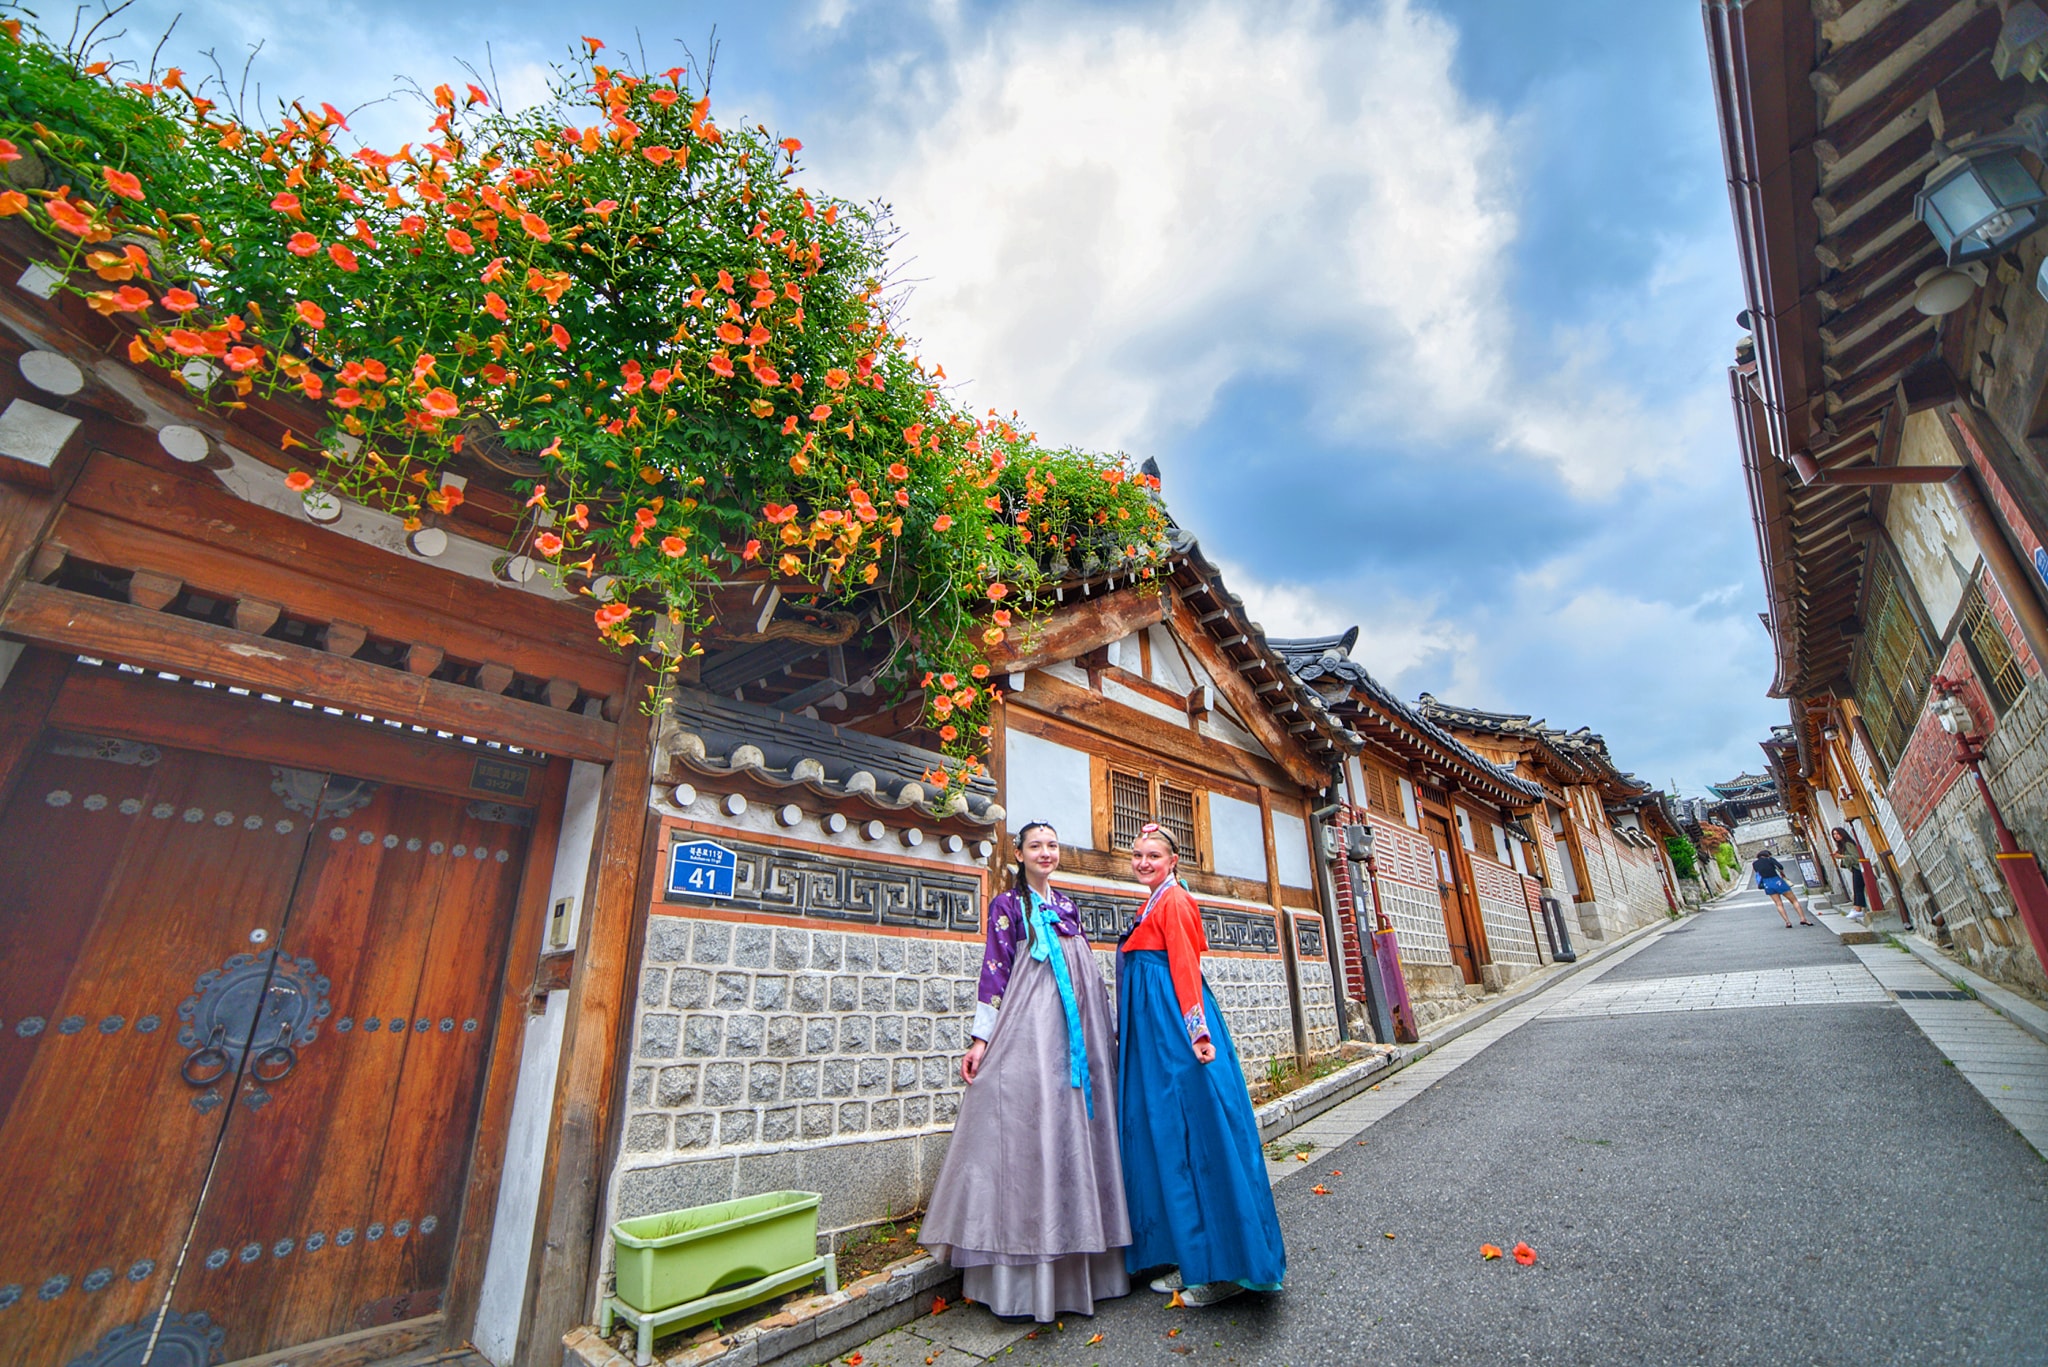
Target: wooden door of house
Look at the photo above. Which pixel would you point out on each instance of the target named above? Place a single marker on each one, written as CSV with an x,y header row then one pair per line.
x,y
242,1035
1455,925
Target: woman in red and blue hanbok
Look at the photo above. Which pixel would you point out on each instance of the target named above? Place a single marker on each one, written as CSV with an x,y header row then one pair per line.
x,y
1029,1204
1194,1175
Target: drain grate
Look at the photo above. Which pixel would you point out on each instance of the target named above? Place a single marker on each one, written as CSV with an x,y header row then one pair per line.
x,y
1923,994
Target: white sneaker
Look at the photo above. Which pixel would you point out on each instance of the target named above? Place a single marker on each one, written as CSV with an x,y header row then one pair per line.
x,y
1170,1282
1210,1293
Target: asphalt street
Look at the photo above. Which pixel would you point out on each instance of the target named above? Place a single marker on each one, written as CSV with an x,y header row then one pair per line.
x,y
1765,1184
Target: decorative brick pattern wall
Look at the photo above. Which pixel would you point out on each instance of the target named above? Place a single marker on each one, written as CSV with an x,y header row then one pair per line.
x,y
1504,909
1253,995
1408,893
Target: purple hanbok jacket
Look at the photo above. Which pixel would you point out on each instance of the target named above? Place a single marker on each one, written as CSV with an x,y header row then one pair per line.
x,y
1006,931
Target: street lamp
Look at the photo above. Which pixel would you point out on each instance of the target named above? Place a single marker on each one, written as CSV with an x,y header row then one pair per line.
x,y
2022,871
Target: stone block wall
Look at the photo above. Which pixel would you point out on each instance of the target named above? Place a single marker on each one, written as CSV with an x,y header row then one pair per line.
x,y
1253,995
753,1034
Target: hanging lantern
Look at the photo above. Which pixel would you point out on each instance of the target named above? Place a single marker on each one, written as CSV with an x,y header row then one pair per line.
x,y
1977,205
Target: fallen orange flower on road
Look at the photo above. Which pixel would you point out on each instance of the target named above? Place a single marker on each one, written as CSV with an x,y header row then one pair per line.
x,y
1489,1251
938,1305
1093,1341
1524,1254
1320,1190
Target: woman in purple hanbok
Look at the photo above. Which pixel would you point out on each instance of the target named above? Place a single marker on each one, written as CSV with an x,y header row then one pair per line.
x,y
1030,1202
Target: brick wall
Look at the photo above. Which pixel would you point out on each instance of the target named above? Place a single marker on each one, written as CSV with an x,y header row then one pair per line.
x,y
1504,909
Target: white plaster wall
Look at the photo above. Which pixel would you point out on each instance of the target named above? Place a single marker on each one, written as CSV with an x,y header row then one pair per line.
x,y
1169,668
1238,838
1290,850
1139,702
1937,548
504,1290
1043,781
1410,813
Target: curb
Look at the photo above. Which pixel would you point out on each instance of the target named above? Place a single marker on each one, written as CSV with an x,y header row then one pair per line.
x,y
2003,1001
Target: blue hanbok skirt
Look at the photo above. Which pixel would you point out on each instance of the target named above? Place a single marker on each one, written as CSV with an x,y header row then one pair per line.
x,y
1194,1175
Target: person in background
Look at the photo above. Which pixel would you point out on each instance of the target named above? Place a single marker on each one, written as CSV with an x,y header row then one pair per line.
x,y
1195,1175
1850,855
1029,1204
1770,876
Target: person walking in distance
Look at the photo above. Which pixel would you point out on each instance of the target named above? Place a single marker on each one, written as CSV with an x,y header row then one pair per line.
x,y
1193,1169
1849,855
1771,878
1029,1204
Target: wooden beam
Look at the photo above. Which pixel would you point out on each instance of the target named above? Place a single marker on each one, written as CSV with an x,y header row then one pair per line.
x,y
1286,927
1849,244
1906,258
1851,62
598,1024
1890,474
1902,157
501,1080
119,631
459,623
1077,628
1967,45
1225,673
140,707
162,509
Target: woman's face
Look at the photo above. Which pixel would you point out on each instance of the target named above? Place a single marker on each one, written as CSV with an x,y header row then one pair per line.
x,y
1152,860
1040,852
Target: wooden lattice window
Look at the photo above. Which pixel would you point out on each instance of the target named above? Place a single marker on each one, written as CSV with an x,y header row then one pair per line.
x,y
1176,812
1382,790
1992,653
1134,800
1130,807
1893,667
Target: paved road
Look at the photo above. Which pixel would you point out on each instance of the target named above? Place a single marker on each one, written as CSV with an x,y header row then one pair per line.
x,y
1731,1147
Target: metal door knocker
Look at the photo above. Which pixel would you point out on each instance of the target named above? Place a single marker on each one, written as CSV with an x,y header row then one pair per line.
x,y
262,1007
209,1063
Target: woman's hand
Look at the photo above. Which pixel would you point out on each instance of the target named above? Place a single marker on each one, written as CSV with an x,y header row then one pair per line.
x,y
970,1063
1205,1051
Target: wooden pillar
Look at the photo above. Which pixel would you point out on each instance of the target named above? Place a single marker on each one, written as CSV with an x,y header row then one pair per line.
x,y
598,1026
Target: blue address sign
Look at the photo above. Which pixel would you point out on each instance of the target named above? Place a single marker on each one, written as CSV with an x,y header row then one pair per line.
x,y
702,868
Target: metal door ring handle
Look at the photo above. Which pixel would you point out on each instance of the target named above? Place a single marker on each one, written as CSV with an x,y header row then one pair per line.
x,y
264,1067
207,1056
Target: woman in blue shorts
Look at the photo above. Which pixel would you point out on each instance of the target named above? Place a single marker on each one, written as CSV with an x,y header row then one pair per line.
x,y
1770,876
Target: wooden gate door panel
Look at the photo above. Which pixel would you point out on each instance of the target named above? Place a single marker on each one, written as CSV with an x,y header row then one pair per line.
x,y
336,1201
140,888
1467,962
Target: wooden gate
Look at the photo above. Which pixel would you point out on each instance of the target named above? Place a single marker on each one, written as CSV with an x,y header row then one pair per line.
x,y
1456,923
244,1015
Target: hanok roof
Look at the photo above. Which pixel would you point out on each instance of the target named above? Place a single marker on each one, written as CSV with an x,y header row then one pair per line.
x,y
1369,709
721,737
1831,117
1580,754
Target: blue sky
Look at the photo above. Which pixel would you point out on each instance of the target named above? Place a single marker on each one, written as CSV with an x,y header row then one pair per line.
x,y
1424,307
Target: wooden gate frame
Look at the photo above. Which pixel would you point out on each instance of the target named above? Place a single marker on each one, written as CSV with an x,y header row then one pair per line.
x,y
126,507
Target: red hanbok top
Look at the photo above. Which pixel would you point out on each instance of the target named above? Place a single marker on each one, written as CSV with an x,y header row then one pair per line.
x,y
1172,924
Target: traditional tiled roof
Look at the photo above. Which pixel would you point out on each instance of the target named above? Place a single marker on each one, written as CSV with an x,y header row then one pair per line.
x,y
1583,750
721,737
1318,658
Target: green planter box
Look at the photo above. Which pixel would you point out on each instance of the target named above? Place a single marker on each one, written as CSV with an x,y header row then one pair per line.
x,y
686,1255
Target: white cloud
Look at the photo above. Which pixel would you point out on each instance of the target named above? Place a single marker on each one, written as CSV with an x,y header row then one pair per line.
x,y
1112,219
1397,637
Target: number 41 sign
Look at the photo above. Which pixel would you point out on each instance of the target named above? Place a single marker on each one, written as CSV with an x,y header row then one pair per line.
x,y
702,868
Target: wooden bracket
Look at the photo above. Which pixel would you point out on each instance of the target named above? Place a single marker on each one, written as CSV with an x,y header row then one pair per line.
x,y
47,561
423,659
148,589
561,692
493,678
255,616
344,638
